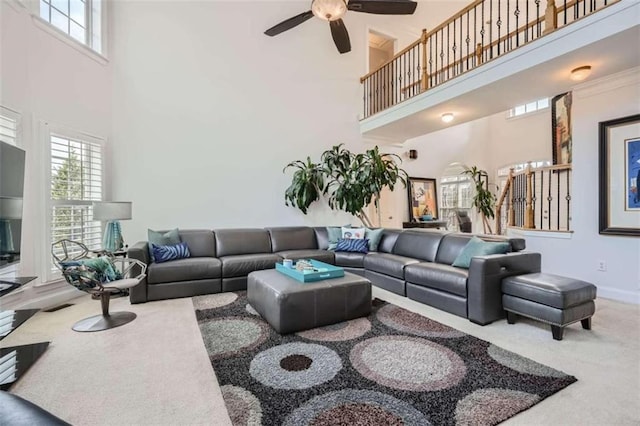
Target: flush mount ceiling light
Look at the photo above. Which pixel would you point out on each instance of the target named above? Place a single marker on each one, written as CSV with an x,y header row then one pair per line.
x,y
447,117
329,10
580,73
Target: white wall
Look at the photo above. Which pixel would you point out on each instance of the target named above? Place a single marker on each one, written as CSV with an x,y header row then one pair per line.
x,y
45,80
207,110
611,98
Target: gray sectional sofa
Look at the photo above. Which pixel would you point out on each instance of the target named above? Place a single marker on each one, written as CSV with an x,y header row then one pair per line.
x,y
411,263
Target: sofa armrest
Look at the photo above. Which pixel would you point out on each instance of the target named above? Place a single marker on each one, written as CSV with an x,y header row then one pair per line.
x,y
139,251
484,292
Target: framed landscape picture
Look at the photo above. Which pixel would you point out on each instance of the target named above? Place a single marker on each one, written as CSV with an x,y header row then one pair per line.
x,y
620,176
423,198
561,128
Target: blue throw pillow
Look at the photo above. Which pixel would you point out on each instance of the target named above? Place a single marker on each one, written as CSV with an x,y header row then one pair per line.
x,y
374,236
167,253
168,238
360,245
478,247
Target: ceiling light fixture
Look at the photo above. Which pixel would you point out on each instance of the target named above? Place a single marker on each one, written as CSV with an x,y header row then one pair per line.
x,y
580,73
329,10
447,117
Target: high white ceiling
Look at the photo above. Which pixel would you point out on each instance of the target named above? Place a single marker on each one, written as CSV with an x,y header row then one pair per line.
x,y
540,69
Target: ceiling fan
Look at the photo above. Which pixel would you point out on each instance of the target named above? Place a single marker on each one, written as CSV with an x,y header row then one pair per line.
x,y
333,11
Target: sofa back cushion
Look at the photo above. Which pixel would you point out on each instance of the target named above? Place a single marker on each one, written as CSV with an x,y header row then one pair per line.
x,y
322,237
231,242
419,244
201,242
388,240
453,244
292,238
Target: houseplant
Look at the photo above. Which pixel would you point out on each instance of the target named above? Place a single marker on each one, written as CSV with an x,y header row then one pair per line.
x,y
483,200
350,182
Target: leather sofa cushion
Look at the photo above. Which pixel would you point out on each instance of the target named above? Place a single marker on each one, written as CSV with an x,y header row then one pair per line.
x,y
193,268
201,243
388,240
437,276
292,238
452,244
388,264
17,411
551,290
243,264
349,259
418,244
322,237
321,255
231,242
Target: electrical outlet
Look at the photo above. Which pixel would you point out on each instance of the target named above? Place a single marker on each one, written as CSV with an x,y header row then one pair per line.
x,y
602,266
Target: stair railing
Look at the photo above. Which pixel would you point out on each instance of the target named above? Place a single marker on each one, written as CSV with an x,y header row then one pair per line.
x,y
536,198
482,31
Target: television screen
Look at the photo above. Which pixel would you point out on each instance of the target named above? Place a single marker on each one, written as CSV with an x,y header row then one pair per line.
x,y
12,160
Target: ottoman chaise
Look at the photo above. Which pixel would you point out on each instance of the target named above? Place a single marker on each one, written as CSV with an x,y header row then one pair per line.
x,y
553,299
290,306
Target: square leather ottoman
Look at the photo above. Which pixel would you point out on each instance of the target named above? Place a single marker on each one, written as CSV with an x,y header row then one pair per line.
x,y
289,305
553,299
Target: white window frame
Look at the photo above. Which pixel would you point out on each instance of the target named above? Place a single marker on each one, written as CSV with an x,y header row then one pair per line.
x,y
48,272
88,47
529,108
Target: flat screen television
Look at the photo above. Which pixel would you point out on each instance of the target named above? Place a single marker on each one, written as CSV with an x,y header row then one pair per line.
x,y
12,161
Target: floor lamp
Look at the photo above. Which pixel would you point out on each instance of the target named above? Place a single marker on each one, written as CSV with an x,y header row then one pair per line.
x,y
112,212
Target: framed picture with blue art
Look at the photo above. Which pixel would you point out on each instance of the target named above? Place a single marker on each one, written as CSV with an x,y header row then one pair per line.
x,y
632,173
620,176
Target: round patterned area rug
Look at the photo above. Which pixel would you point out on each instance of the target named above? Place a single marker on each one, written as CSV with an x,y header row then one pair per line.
x,y
394,367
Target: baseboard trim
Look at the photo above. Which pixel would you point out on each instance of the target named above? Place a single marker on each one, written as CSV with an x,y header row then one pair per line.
x,y
625,296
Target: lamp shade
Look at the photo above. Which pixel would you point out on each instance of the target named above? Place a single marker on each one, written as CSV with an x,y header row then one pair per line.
x,y
112,210
10,208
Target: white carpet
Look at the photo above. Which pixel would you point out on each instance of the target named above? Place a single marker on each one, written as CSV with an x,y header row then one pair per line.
x,y
155,370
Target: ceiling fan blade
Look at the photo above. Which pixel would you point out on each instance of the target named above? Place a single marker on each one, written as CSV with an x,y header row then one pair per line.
x,y
340,36
383,7
289,23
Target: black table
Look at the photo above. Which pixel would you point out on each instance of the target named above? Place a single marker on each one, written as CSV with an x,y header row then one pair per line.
x,y
16,360
426,224
17,318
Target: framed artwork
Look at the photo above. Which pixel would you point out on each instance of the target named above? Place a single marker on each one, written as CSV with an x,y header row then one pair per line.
x,y
423,198
620,176
561,128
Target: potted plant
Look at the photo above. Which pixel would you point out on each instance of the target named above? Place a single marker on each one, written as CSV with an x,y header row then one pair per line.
x,y
349,181
483,200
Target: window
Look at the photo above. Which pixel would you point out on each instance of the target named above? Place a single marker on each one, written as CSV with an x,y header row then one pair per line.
x,y
80,19
9,126
76,181
529,107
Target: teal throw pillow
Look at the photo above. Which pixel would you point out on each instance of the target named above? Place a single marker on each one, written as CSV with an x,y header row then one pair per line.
x,y
477,247
334,233
170,238
374,236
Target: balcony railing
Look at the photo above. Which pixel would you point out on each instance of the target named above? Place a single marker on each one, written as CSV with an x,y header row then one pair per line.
x,y
481,32
536,199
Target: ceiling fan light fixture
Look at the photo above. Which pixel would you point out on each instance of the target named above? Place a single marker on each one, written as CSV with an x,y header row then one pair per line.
x,y
329,10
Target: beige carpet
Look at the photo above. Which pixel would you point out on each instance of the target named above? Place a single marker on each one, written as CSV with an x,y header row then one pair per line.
x,y
155,371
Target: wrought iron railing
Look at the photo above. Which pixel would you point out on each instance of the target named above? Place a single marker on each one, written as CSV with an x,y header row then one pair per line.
x,y
537,198
481,32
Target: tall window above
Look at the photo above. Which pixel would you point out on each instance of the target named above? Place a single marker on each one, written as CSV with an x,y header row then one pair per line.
x,y
76,181
80,19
